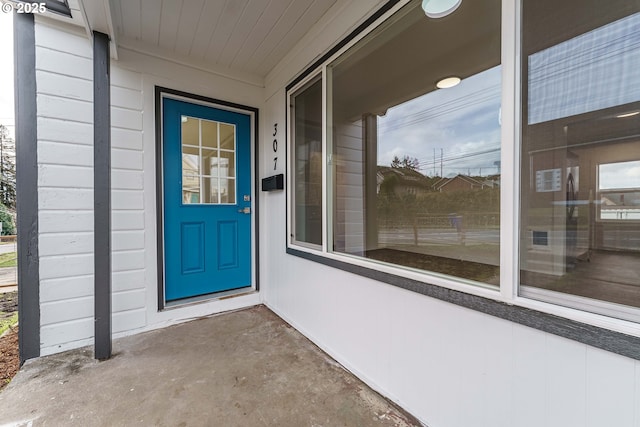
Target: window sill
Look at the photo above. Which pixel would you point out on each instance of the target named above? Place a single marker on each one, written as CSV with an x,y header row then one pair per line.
x,y
617,336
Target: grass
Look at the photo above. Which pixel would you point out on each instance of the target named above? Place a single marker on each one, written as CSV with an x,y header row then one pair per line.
x,y
8,259
8,322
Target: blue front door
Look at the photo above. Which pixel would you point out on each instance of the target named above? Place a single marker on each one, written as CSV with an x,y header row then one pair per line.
x,y
207,199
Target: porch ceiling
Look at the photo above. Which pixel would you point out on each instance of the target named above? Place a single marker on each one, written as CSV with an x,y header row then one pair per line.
x,y
244,37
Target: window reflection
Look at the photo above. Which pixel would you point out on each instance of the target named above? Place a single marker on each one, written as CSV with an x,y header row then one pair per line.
x,y
307,163
619,191
416,170
208,162
580,203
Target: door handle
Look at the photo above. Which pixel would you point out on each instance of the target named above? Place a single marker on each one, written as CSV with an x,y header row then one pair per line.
x,y
246,210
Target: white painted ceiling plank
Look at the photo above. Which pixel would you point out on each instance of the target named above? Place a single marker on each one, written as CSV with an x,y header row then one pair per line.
x,y
317,9
293,13
131,18
207,25
169,19
150,23
260,32
248,37
231,14
189,20
242,31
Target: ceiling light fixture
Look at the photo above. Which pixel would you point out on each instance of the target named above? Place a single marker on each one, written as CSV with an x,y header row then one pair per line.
x,y
448,82
439,8
633,113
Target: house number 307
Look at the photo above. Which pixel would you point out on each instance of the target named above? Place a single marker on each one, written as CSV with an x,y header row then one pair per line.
x,y
275,145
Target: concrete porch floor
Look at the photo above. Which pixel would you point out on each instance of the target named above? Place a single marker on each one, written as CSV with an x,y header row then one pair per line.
x,y
245,368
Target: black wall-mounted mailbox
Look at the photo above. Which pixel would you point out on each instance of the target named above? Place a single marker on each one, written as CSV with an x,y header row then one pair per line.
x,y
271,183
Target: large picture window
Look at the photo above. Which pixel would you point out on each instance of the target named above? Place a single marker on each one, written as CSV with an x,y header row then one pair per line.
x,y
422,160
415,167
413,148
580,203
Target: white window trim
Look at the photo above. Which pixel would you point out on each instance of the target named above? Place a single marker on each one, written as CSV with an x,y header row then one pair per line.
x,y
508,292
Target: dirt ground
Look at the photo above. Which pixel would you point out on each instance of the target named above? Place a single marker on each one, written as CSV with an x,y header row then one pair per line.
x,y
9,357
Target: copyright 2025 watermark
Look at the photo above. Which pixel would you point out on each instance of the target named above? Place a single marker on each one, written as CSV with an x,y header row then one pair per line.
x,y
23,7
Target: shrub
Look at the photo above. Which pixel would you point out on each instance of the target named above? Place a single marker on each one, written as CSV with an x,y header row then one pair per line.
x,y
8,225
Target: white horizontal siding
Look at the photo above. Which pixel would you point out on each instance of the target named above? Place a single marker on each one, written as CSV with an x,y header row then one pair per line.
x,y
52,130
126,159
126,138
72,41
127,201
65,198
59,266
126,180
61,311
128,300
65,221
57,337
65,243
126,97
127,220
65,176
64,73
66,109
63,63
127,280
61,153
128,240
127,260
123,78
66,288
60,85
129,320
65,181
125,118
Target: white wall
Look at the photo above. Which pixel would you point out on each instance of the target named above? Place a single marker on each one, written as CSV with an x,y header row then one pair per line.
x,y
65,178
449,366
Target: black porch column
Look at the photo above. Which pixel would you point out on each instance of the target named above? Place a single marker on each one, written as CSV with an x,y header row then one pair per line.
x,y
102,195
24,52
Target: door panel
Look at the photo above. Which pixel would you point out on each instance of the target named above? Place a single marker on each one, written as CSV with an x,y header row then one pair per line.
x,y
207,199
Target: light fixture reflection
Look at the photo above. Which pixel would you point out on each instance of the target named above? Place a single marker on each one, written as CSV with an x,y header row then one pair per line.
x,y
439,8
448,82
631,114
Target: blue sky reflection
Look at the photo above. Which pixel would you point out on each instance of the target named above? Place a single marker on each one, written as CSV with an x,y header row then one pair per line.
x,y
463,121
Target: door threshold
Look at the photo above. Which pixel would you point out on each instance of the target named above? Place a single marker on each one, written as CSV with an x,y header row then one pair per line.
x,y
218,296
